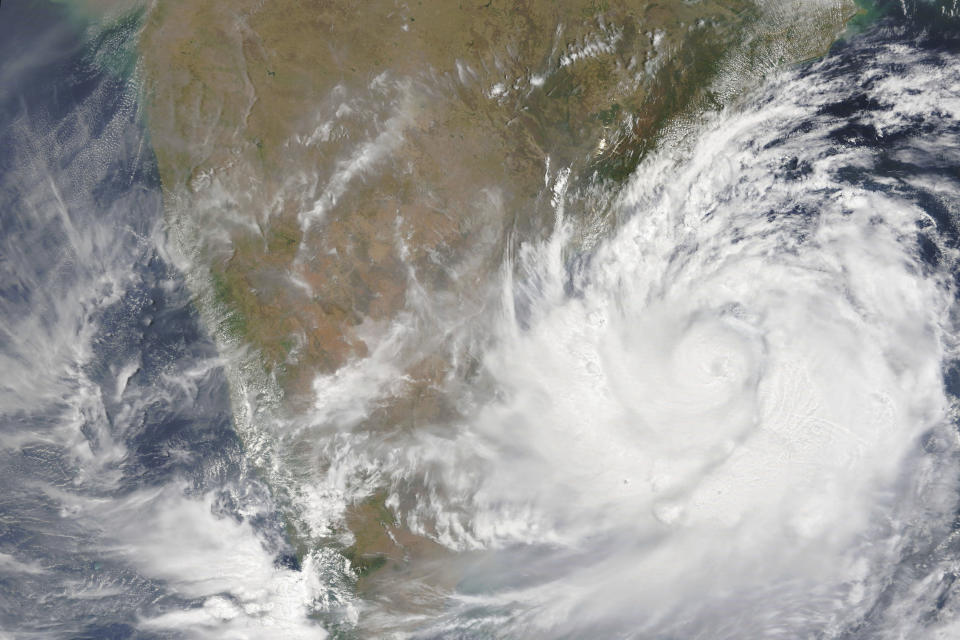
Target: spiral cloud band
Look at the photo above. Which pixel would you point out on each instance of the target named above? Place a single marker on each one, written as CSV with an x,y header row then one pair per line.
x,y
731,419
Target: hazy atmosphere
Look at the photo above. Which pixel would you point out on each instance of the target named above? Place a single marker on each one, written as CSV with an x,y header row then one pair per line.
x,y
566,319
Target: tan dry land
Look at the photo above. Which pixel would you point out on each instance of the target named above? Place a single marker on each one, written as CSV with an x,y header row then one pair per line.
x,y
391,120
329,162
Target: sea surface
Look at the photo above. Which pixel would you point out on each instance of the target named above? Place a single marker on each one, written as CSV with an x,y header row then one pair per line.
x,y
126,503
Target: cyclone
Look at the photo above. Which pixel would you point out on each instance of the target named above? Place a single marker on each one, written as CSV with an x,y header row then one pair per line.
x,y
735,417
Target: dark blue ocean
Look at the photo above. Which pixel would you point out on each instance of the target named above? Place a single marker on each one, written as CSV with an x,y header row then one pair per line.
x,y
112,400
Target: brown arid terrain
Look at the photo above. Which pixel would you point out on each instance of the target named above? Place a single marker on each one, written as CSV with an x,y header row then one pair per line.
x,y
333,170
